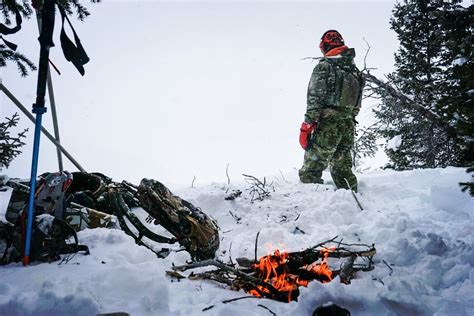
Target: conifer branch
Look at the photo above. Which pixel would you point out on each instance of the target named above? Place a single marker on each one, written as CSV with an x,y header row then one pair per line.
x,y
10,145
22,62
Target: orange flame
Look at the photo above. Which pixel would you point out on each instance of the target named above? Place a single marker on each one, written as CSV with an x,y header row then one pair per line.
x,y
322,269
273,269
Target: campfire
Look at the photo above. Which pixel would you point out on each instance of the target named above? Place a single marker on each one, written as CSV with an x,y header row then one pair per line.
x,y
279,275
275,270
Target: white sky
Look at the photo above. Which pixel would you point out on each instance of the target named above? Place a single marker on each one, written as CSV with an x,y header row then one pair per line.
x,y
177,90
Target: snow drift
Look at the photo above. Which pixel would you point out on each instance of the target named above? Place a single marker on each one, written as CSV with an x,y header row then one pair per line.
x,y
420,221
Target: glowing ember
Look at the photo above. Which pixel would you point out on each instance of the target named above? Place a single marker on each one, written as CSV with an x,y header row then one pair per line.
x,y
275,271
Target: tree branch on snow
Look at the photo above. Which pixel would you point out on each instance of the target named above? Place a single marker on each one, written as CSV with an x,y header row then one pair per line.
x,y
258,190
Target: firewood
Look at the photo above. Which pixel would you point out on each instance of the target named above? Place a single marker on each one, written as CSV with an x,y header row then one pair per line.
x,y
347,269
259,278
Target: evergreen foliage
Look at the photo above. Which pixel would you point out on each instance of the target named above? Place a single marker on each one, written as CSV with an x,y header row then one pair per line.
x,y
469,186
10,145
365,144
7,13
434,68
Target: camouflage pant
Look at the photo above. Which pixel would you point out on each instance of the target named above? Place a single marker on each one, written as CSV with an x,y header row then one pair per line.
x,y
331,144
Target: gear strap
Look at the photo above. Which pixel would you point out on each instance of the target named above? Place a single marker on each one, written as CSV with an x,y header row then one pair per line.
x,y
123,211
5,30
11,30
73,52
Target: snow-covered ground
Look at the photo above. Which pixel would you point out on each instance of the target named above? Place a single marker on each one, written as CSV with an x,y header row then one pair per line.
x,y
420,222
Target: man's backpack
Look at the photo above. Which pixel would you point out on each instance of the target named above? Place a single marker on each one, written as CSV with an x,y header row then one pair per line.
x,y
194,230
51,235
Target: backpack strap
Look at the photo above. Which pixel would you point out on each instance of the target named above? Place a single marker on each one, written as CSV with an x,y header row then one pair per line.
x,y
123,212
73,52
5,30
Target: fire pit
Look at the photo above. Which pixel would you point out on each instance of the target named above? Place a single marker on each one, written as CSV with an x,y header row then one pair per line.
x,y
279,275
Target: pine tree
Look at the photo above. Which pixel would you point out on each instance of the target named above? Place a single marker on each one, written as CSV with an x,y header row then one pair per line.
x,y
457,106
423,63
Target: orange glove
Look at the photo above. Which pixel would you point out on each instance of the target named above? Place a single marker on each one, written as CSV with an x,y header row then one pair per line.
x,y
306,131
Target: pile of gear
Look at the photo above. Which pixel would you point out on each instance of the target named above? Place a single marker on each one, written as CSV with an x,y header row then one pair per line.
x,y
69,202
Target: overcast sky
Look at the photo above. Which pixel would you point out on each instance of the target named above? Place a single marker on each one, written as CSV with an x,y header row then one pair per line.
x,y
179,90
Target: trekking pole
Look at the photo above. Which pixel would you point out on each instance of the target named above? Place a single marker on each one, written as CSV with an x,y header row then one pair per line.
x,y
23,109
52,102
46,42
353,194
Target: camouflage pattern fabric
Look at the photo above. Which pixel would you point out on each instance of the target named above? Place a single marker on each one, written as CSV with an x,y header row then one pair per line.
x,y
333,102
193,229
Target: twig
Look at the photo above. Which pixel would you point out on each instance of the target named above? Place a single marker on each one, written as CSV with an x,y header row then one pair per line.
x,y
230,255
253,281
258,189
192,183
353,194
282,176
311,58
207,308
227,174
256,244
325,242
366,53
237,219
238,298
339,243
297,217
268,309
391,269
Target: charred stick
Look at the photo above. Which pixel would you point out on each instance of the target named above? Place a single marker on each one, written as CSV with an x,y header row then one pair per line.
x,y
246,277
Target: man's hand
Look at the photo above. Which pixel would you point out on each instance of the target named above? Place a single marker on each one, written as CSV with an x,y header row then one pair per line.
x,y
306,132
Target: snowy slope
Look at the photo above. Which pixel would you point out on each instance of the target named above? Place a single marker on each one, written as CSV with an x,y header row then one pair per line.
x,y
420,222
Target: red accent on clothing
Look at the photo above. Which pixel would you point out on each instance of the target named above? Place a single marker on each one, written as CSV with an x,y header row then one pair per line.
x,y
336,51
306,131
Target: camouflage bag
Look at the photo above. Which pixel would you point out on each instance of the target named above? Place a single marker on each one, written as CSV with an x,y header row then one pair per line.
x,y
87,206
193,229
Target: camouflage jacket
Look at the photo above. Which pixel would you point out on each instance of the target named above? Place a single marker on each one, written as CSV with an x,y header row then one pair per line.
x,y
335,88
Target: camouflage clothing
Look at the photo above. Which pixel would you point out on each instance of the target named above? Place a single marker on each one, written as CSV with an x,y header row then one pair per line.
x,y
333,102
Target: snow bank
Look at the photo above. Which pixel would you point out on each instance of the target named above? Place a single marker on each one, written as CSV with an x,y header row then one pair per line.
x,y
420,222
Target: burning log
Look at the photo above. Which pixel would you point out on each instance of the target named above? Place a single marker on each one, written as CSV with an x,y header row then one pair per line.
x,y
279,275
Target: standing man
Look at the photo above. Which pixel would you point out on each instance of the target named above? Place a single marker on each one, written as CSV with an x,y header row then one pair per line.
x,y
333,101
